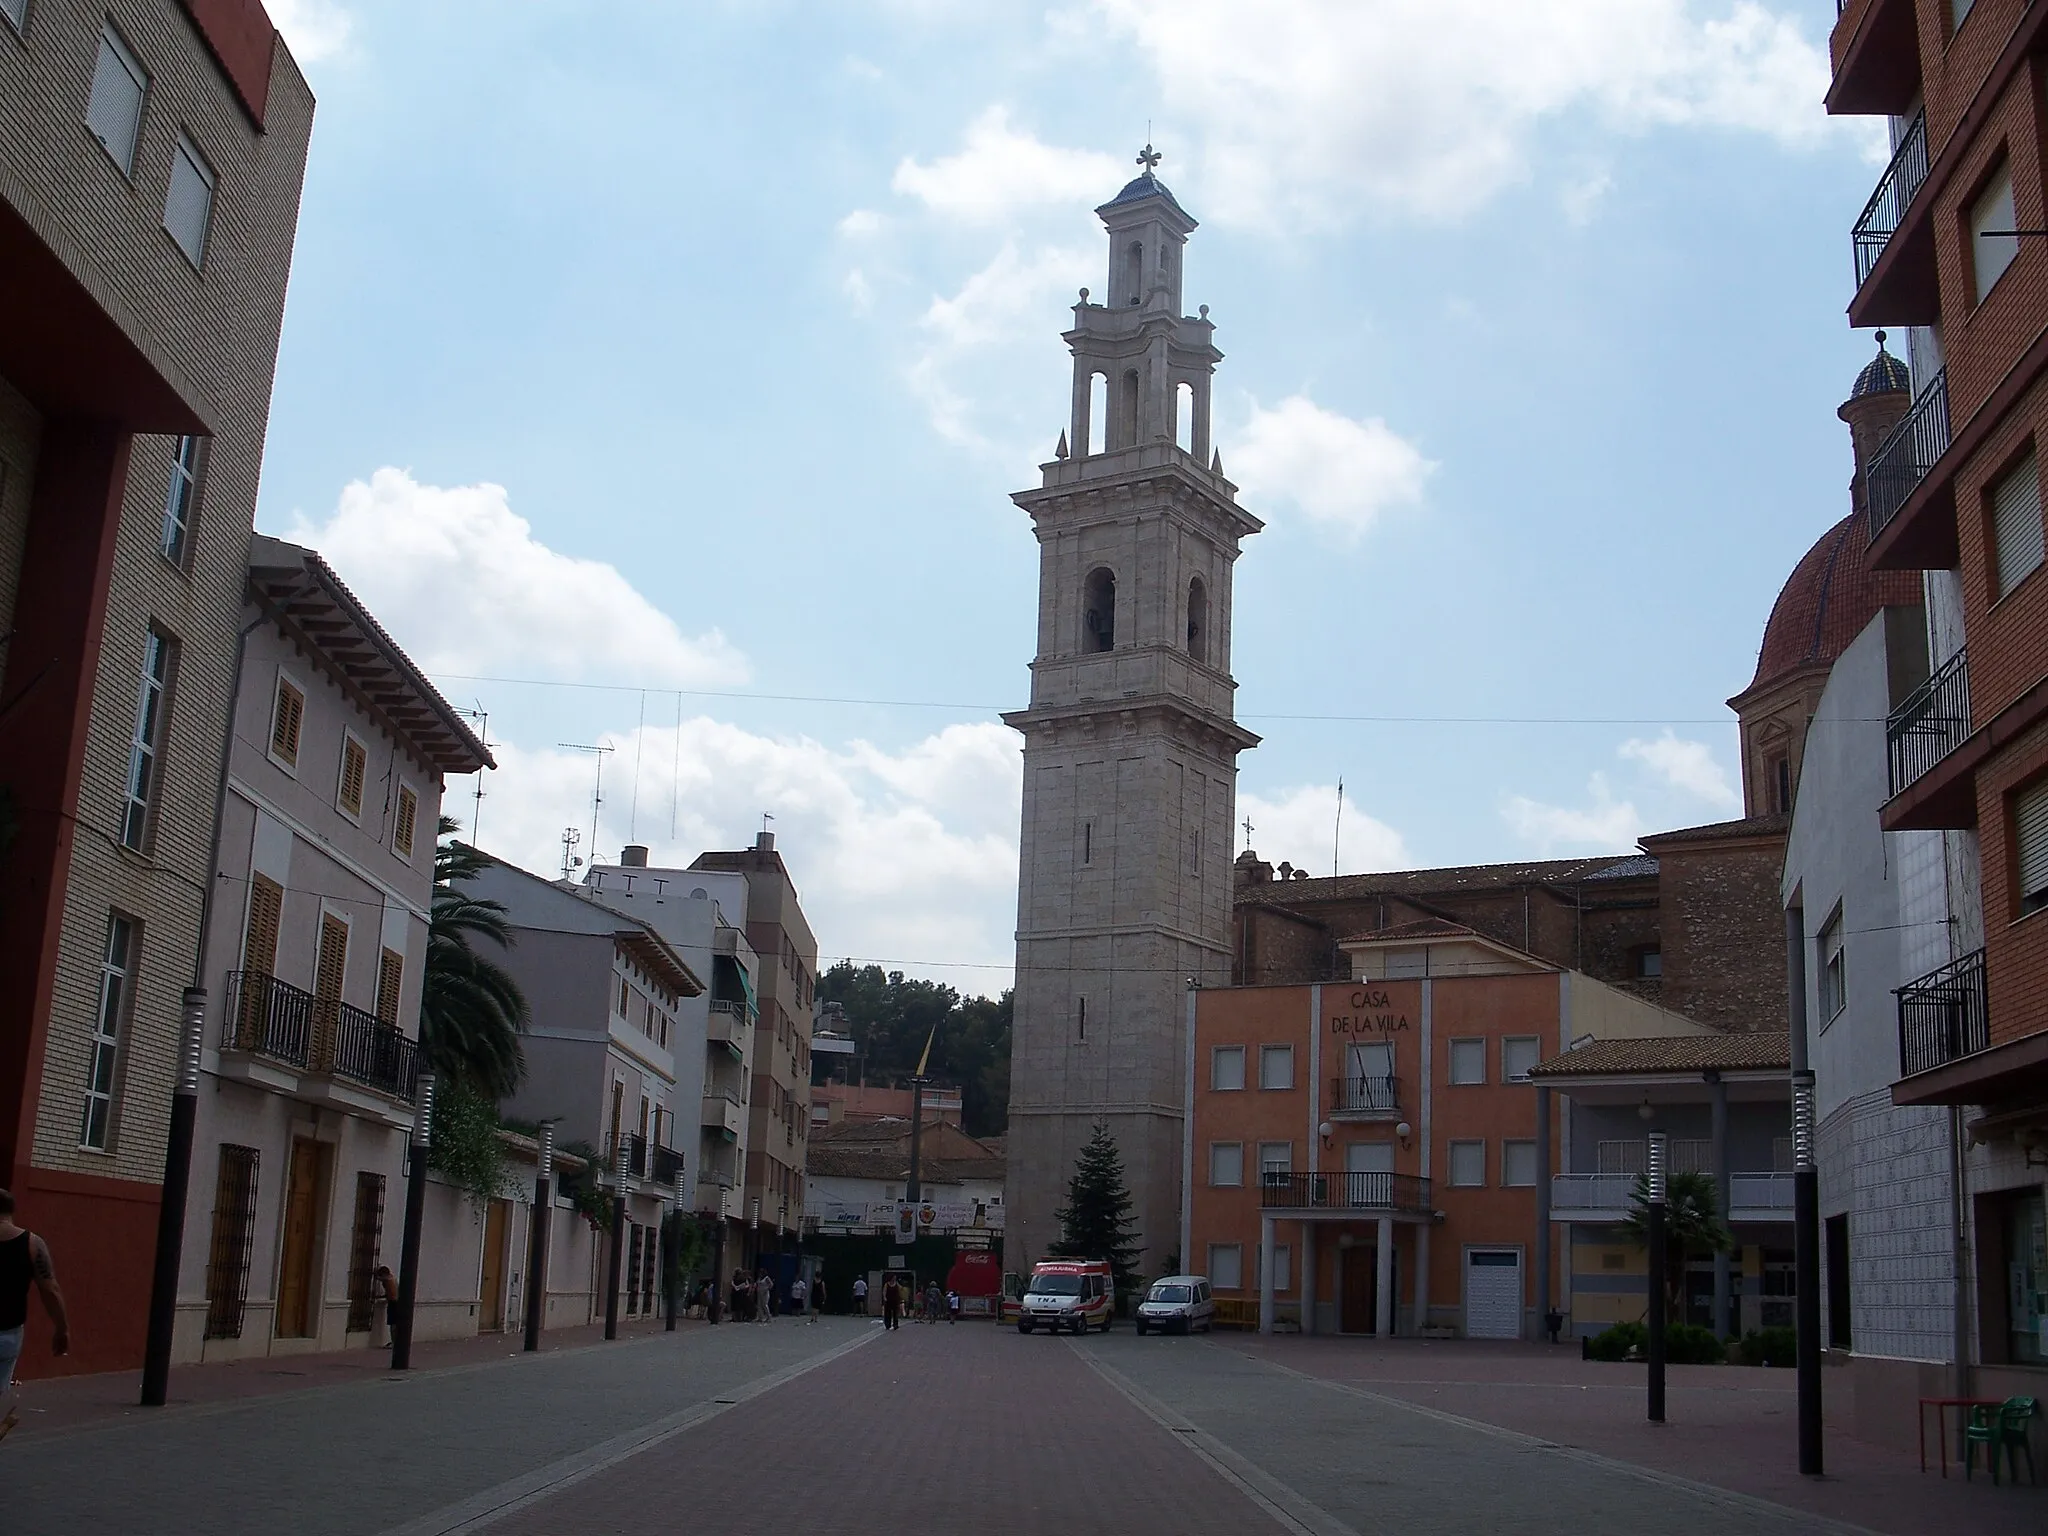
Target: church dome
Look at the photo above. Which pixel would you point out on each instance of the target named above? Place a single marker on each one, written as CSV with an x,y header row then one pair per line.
x,y
1137,190
1881,375
1829,598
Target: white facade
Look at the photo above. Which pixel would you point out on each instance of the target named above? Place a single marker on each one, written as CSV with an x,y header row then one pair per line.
x,y
1130,747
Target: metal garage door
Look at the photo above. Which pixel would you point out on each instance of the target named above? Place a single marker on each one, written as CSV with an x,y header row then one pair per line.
x,y
1493,1293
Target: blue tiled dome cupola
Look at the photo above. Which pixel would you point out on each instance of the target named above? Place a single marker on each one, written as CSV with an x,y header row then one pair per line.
x,y
1881,375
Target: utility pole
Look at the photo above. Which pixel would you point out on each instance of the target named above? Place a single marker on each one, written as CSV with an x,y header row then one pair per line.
x,y
1658,1236
415,1210
1806,1264
537,1249
618,1253
675,1249
170,1221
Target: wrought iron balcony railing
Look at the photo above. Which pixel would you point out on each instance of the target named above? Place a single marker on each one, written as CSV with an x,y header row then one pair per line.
x,y
636,1154
1896,188
1942,1016
1897,468
667,1163
1362,1095
1932,722
1372,1192
271,1018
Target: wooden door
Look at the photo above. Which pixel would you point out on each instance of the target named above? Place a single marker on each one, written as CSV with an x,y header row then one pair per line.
x,y
492,1301
297,1287
1360,1306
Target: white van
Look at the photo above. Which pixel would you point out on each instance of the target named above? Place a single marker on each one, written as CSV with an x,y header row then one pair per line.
x,y
1177,1304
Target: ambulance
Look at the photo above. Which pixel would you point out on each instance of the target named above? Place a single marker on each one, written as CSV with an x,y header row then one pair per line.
x,y
1077,1294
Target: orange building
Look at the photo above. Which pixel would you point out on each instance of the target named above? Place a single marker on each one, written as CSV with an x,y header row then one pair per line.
x,y
1366,1156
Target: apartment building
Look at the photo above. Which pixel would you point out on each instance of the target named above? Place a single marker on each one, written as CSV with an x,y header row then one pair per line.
x,y
714,1029
151,156
779,1112
605,988
315,952
1368,1155
1949,249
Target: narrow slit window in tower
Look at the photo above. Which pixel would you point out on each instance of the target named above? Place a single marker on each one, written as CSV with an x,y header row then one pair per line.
x,y
1081,1021
1184,416
1087,842
1098,413
1134,272
1098,611
1198,620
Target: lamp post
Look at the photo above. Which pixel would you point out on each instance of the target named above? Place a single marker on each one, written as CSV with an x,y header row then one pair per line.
x,y
1806,1264
1658,1192
618,1253
537,1249
415,1210
170,1220
673,1268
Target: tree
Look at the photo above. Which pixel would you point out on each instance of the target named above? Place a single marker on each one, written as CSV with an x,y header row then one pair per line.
x,y
892,1015
1096,1223
471,1010
1692,1224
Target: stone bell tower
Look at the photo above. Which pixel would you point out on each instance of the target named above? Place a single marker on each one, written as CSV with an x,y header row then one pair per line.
x,y
1130,748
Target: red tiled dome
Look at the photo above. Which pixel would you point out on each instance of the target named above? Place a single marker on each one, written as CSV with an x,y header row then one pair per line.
x,y
1831,595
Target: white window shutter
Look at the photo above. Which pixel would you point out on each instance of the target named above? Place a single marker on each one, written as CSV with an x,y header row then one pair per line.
x,y
2030,831
1991,255
2016,524
114,112
188,209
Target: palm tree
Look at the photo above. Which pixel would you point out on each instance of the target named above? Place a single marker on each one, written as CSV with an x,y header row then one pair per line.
x,y
471,1011
1692,1224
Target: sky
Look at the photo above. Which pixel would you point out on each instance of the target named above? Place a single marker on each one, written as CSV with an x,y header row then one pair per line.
x,y
659,371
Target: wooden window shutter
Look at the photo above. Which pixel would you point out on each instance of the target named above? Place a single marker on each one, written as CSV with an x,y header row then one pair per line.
x,y
333,962
408,821
266,907
390,977
353,763
285,719
2016,525
2030,832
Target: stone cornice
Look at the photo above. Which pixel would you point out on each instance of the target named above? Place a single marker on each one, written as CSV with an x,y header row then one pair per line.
x,y
1112,720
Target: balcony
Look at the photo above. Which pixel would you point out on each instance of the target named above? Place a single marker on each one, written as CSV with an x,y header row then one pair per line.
x,y
1875,51
1943,1017
319,1041
664,1164
1897,469
722,1112
1606,1197
1364,1098
636,1155
1896,281
1342,1195
1932,722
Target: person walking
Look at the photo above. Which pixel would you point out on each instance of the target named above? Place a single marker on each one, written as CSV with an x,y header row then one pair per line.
x,y
860,1294
818,1297
764,1297
24,1259
952,1306
892,1304
799,1299
384,1293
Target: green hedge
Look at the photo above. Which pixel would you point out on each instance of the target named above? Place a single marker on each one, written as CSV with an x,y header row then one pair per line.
x,y
1616,1342
1684,1344
1770,1346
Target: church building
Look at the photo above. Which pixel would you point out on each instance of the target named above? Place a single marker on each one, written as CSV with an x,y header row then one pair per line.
x,y
1130,745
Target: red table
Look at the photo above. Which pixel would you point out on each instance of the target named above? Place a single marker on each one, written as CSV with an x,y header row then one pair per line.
x,y
1941,1406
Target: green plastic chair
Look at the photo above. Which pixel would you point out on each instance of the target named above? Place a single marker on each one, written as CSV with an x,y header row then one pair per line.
x,y
2003,1428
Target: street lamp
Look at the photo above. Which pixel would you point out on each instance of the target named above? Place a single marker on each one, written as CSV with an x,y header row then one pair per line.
x,y
170,1223
676,1219
1658,1192
620,1152
1806,1264
537,1248
415,1209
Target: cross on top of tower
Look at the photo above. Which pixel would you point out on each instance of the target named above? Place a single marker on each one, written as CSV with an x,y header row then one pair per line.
x,y
1149,157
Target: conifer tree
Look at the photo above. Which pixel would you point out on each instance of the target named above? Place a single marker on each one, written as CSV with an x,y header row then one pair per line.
x,y
1096,1223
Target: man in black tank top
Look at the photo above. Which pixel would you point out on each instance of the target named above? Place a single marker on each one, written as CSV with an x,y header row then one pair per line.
x,y
24,1258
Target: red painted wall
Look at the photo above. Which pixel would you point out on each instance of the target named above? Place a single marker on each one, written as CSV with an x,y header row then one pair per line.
x,y
102,1237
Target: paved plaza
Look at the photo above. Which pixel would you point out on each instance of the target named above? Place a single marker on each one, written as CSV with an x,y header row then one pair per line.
x,y
839,1428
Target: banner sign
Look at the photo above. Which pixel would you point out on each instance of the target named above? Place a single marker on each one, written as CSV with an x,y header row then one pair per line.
x,y
905,1221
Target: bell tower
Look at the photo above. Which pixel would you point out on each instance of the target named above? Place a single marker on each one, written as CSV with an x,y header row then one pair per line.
x,y
1130,745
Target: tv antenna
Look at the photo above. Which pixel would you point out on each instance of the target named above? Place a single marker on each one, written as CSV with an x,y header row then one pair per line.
x,y
570,838
597,787
483,735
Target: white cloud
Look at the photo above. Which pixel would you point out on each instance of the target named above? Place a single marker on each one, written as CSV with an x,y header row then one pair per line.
x,y
1604,825
1582,197
1343,473
909,857
1007,303
860,224
1685,765
313,29
1300,826
1304,110
459,579
1000,170
859,292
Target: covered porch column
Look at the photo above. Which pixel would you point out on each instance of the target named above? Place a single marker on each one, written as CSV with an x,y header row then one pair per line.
x,y
1265,1274
1543,1261
1421,1304
1383,1301
1722,1186
1308,1277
